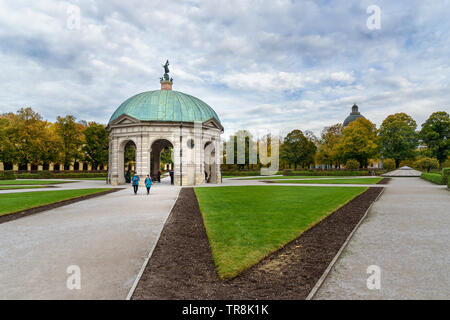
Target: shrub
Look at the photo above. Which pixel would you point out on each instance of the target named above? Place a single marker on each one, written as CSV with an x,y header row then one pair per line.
x,y
446,163
7,175
427,164
334,173
287,172
388,164
52,175
44,175
432,177
445,175
352,164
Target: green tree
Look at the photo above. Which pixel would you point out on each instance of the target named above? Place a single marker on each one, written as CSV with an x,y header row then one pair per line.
x,y
96,144
298,149
398,138
359,141
435,134
71,137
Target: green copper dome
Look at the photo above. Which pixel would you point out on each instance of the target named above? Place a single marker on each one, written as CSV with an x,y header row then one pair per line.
x,y
165,105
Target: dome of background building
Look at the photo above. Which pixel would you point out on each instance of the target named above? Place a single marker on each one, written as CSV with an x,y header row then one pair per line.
x,y
165,105
353,115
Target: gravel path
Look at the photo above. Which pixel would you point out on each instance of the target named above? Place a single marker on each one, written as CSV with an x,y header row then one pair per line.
x,y
108,237
406,234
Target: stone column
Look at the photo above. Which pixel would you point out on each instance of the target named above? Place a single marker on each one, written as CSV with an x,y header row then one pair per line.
x,y
2,167
51,166
71,166
15,167
28,167
40,168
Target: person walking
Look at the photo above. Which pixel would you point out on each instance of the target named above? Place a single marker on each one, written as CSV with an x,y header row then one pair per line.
x,y
135,181
171,176
148,184
159,176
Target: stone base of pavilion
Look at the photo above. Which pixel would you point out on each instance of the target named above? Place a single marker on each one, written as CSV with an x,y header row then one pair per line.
x,y
403,172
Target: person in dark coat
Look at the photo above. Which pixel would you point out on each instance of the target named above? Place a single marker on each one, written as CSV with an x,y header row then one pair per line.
x,y
128,176
171,176
135,181
148,184
159,176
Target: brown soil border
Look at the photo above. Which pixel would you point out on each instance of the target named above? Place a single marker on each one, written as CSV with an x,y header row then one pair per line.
x,y
182,267
45,207
384,181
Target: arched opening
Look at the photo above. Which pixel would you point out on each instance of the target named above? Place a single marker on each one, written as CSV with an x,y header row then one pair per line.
x,y
76,166
161,158
210,163
127,161
85,166
8,166
45,166
56,167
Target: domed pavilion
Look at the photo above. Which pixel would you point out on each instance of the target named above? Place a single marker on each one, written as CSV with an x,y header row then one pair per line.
x,y
159,119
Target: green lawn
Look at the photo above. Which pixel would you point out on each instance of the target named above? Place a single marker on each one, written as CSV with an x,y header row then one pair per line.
x,y
245,224
20,187
12,202
288,177
30,182
97,178
333,181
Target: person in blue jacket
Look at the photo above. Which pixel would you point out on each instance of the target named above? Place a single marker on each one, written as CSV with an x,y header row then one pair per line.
x,y
135,181
148,184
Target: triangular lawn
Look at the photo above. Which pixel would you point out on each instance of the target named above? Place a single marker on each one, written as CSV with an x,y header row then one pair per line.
x,y
245,224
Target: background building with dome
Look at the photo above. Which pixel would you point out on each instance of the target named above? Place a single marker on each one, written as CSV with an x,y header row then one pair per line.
x,y
355,114
159,119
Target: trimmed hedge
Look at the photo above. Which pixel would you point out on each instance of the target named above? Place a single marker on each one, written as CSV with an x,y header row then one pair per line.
x,y
432,177
445,175
52,175
243,173
7,175
331,173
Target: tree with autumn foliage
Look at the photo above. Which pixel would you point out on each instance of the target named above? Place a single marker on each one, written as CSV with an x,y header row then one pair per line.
x,y
71,138
327,151
359,141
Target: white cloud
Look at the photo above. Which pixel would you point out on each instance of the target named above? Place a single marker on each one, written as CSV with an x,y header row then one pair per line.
x,y
277,64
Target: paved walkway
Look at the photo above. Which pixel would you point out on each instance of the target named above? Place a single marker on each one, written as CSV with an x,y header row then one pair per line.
x,y
406,234
108,237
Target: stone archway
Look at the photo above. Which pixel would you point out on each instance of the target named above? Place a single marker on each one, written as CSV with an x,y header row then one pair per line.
x,y
156,148
121,158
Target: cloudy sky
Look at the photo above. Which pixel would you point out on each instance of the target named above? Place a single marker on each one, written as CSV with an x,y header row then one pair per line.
x,y
259,64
